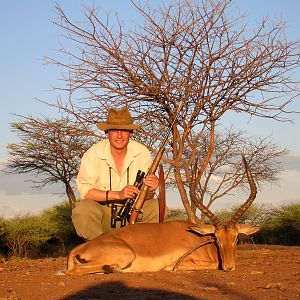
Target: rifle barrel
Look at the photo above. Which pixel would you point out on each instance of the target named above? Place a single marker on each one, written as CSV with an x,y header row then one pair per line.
x,y
139,201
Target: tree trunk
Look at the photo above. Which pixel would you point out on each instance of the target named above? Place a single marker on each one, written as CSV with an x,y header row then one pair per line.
x,y
71,195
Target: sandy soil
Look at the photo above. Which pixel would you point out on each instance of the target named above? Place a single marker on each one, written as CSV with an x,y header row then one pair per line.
x,y
263,272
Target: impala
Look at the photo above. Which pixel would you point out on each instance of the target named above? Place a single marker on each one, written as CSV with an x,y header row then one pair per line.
x,y
173,245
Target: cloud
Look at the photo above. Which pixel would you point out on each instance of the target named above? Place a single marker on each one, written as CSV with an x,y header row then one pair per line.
x,y
17,184
18,197
7,211
286,192
2,164
291,162
18,205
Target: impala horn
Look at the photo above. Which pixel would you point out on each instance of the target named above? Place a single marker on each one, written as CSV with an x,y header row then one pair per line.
x,y
215,220
236,216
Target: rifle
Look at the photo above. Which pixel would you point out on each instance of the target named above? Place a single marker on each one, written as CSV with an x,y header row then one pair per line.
x,y
140,199
126,209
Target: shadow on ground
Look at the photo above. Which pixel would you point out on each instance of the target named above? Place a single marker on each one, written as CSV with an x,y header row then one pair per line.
x,y
117,290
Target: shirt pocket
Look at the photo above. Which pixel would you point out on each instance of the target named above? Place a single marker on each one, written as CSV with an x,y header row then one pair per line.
x,y
103,183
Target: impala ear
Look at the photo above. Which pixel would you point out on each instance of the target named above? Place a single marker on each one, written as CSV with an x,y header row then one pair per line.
x,y
203,229
247,229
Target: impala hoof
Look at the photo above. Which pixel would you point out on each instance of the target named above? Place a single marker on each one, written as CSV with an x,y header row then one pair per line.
x,y
112,269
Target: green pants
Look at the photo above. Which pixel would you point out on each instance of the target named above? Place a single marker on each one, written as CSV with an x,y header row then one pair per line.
x,y
90,218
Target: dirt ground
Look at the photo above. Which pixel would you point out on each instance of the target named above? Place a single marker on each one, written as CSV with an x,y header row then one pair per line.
x,y
263,272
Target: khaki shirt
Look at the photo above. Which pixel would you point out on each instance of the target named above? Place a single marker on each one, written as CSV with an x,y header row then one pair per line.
x,y
97,160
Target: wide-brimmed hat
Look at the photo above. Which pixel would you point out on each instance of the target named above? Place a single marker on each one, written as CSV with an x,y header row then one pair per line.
x,y
118,119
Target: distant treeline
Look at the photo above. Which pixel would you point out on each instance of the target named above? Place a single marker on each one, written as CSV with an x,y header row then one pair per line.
x,y
51,233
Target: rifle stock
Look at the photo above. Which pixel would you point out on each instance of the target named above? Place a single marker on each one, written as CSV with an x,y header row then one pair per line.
x,y
140,200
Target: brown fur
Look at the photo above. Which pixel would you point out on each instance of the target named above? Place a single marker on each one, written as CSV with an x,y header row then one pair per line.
x,y
153,247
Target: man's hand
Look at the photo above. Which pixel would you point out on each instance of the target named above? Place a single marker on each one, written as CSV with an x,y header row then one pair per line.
x,y
151,181
129,191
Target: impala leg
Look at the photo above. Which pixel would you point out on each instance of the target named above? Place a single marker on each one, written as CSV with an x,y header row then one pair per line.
x,y
92,257
93,267
104,264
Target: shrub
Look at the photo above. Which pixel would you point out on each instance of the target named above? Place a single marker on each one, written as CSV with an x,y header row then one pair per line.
x,y
284,227
255,215
3,226
62,231
26,234
177,214
3,230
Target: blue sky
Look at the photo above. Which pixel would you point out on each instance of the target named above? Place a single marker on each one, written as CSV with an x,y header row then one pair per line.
x,y
27,35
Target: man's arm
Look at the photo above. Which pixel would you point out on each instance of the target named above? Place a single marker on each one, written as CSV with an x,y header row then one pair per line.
x,y
129,191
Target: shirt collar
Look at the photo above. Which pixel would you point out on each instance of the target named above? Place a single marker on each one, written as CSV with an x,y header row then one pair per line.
x,y
132,151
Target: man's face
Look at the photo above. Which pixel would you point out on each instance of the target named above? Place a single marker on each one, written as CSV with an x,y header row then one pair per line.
x,y
118,138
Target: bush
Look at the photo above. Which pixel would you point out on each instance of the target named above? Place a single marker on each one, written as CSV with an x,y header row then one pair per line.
x,y
255,215
26,235
177,214
3,227
52,233
63,234
284,227
3,230
49,233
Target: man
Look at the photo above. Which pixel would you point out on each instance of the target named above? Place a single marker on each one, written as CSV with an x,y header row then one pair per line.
x,y
107,175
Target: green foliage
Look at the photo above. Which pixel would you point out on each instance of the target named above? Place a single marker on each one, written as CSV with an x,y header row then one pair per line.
x,y
284,227
281,226
51,233
25,234
59,219
3,226
59,216
3,230
256,215
177,214
287,216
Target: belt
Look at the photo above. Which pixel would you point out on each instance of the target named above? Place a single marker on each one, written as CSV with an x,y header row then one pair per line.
x,y
113,202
